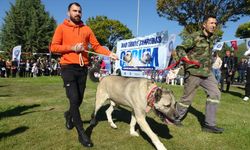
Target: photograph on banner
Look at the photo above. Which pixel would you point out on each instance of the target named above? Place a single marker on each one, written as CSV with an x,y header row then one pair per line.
x,y
141,54
16,53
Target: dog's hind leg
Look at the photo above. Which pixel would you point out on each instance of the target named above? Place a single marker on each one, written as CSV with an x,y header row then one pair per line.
x,y
145,127
132,125
109,114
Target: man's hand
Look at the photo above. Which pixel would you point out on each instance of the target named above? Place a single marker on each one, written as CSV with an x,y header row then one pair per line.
x,y
113,56
194,62
78,47
187,58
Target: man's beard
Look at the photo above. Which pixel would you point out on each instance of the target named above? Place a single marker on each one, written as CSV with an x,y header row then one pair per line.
x,y
76,19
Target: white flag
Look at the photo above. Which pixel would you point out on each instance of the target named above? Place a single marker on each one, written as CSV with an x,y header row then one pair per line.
x,y
248,43
16,53
247,53
218,46
171,41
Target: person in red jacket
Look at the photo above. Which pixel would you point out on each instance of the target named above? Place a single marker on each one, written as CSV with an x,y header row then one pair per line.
x,y
71,40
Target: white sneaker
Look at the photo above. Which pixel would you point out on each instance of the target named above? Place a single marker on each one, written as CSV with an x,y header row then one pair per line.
x,y
245,98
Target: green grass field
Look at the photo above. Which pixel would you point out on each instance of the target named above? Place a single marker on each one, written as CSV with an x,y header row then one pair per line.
x,y
31,117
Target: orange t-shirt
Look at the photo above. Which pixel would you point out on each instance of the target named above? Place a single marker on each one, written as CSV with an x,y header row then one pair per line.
x,y
67,35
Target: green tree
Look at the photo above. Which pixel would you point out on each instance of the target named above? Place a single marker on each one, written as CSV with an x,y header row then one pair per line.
x,y
108,31
190,13
243,31
27,24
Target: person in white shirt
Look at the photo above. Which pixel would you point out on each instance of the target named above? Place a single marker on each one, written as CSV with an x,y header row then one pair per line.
x,y
247,86
217,62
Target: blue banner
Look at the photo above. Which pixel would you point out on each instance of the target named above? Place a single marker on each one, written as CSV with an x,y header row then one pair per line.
x,y
140,54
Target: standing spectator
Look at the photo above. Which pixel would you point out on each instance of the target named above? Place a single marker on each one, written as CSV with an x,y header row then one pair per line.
x,y
8,68
34,70
27,68
47,68
235,60
241,68
102,64
53,67
31,65
247,86
198,47
2,67
227,71
39,66
22,68
71,39
14,67
217,62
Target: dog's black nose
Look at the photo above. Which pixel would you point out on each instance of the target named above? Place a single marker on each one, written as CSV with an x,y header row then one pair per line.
x,y
176,114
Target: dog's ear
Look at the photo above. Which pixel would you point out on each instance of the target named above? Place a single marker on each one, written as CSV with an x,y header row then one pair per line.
x,y
158,94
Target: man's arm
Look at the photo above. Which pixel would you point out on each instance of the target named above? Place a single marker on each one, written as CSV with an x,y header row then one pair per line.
x,y
184,48
56,44
98,48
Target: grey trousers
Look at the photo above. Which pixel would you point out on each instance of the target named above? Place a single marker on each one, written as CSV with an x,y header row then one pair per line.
x,y
209,84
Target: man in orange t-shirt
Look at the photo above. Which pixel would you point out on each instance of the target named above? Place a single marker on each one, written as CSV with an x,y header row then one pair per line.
x,y
71,40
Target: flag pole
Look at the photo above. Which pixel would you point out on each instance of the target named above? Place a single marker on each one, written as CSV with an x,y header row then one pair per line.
x,y
138,18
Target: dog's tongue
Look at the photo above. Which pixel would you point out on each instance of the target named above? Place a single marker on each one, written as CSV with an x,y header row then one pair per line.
x,y
167,121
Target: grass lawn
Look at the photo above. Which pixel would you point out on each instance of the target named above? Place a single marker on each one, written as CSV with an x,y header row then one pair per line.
x,y
31,117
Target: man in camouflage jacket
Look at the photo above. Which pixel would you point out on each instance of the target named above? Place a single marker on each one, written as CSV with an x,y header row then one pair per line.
x,y
198,47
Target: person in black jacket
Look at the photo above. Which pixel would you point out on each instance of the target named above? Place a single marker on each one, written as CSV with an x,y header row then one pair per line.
x,y
227,69
247,85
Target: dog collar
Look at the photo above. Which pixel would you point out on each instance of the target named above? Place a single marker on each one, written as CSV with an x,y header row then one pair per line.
x,y
151,98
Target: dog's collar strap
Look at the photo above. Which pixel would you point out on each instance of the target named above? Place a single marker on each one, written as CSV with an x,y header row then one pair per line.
x,y
151,98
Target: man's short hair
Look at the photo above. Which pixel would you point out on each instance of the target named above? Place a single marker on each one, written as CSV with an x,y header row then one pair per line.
x,y
74,3
207,17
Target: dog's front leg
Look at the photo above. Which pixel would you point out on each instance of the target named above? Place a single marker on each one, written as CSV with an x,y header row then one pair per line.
x,y
132,125
145,127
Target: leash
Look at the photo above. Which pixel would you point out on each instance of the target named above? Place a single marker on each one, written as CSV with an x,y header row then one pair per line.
x,y
185,60
81,58
110,57
81,63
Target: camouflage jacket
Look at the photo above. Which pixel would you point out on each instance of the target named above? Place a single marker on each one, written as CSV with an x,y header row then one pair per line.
x,y
197,47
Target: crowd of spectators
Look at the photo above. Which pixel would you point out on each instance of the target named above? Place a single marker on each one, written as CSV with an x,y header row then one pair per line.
x,y
41,66
229,69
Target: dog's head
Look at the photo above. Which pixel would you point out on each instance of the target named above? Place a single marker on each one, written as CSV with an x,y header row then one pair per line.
x,y
165,105
127,57
146,57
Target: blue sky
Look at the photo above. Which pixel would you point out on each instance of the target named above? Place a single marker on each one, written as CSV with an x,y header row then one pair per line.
x,y
126,12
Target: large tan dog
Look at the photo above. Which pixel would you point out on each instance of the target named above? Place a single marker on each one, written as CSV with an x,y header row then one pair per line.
x,y
138,94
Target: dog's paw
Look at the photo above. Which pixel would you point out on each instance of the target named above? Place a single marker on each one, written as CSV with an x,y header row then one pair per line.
x,y
134,133
113,125
160,146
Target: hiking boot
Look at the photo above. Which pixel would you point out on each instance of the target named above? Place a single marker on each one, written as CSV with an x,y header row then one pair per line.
x,y
68,120
212,129
83,138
